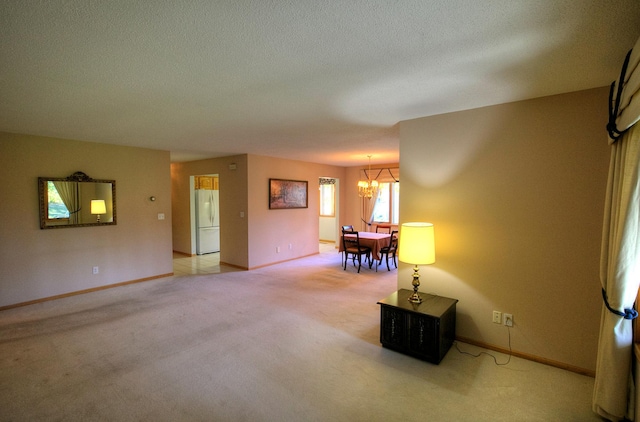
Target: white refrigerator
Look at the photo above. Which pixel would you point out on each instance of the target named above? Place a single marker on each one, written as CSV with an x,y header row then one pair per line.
x,y
207,221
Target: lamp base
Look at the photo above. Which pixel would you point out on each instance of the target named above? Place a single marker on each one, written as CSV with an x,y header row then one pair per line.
x,y
415,297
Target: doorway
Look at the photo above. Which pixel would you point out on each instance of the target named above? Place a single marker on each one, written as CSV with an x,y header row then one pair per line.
x,y
329,206
205,214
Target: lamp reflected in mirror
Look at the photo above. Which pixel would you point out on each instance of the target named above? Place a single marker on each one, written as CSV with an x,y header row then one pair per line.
x,y
98,207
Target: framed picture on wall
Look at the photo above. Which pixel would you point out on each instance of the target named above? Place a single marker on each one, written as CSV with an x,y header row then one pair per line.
x,y
286,194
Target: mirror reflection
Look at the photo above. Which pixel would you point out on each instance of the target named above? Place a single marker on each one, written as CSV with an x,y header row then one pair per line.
x,y
76,201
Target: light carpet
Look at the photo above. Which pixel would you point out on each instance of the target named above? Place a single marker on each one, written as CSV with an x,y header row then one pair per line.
x,y
297,341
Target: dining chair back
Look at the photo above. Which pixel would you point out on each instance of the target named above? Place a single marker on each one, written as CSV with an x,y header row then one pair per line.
x,y
352,247
390,250
383,228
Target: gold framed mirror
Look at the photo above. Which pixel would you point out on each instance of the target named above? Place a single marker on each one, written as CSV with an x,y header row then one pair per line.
x,y
76,201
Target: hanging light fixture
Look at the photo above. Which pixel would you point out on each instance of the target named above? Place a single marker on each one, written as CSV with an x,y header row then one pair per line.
x,y
367,188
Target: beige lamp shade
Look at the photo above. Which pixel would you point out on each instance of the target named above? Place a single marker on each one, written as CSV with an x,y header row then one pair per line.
x,y
98,206
416,244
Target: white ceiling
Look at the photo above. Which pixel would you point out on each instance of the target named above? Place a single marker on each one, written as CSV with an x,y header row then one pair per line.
x,y
323,81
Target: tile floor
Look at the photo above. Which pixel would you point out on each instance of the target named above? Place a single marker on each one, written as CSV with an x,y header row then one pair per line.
x,y
210,263
199,264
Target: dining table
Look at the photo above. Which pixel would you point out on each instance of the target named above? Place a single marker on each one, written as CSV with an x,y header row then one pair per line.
x,y
375,241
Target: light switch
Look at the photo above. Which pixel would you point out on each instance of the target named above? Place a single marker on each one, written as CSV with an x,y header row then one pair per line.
x,y
241,214
160,216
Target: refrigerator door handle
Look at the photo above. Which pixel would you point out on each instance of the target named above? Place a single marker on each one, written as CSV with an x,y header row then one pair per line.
x,y
213,208
211,211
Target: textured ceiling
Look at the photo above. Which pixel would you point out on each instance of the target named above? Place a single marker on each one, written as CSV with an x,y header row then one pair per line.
x,y
323,81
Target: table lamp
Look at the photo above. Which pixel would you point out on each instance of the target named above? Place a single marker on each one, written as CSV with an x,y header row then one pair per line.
x,y
416,246
98,207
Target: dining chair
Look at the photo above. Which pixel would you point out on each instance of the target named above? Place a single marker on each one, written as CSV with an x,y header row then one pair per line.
x,y
391,249
351,245
349,227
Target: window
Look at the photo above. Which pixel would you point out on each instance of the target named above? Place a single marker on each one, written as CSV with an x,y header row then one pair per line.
x,y
56,207
327,200
386,209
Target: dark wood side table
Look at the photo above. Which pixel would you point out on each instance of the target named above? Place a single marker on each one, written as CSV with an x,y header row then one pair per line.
x,y
425,331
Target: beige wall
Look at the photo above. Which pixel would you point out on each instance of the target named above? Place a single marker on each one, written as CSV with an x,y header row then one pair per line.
x,y
352,203
39,263
270,229
516,193
233,200
251,241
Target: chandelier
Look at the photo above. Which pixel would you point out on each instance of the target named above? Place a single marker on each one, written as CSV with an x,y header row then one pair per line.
x,y
367,188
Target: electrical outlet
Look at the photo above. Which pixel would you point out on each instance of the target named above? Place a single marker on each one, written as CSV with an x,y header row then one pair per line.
x,y
290,246
497,317
277,249
96,270
508,320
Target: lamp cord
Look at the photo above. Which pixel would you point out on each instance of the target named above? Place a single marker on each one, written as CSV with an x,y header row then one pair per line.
x,y
495,360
